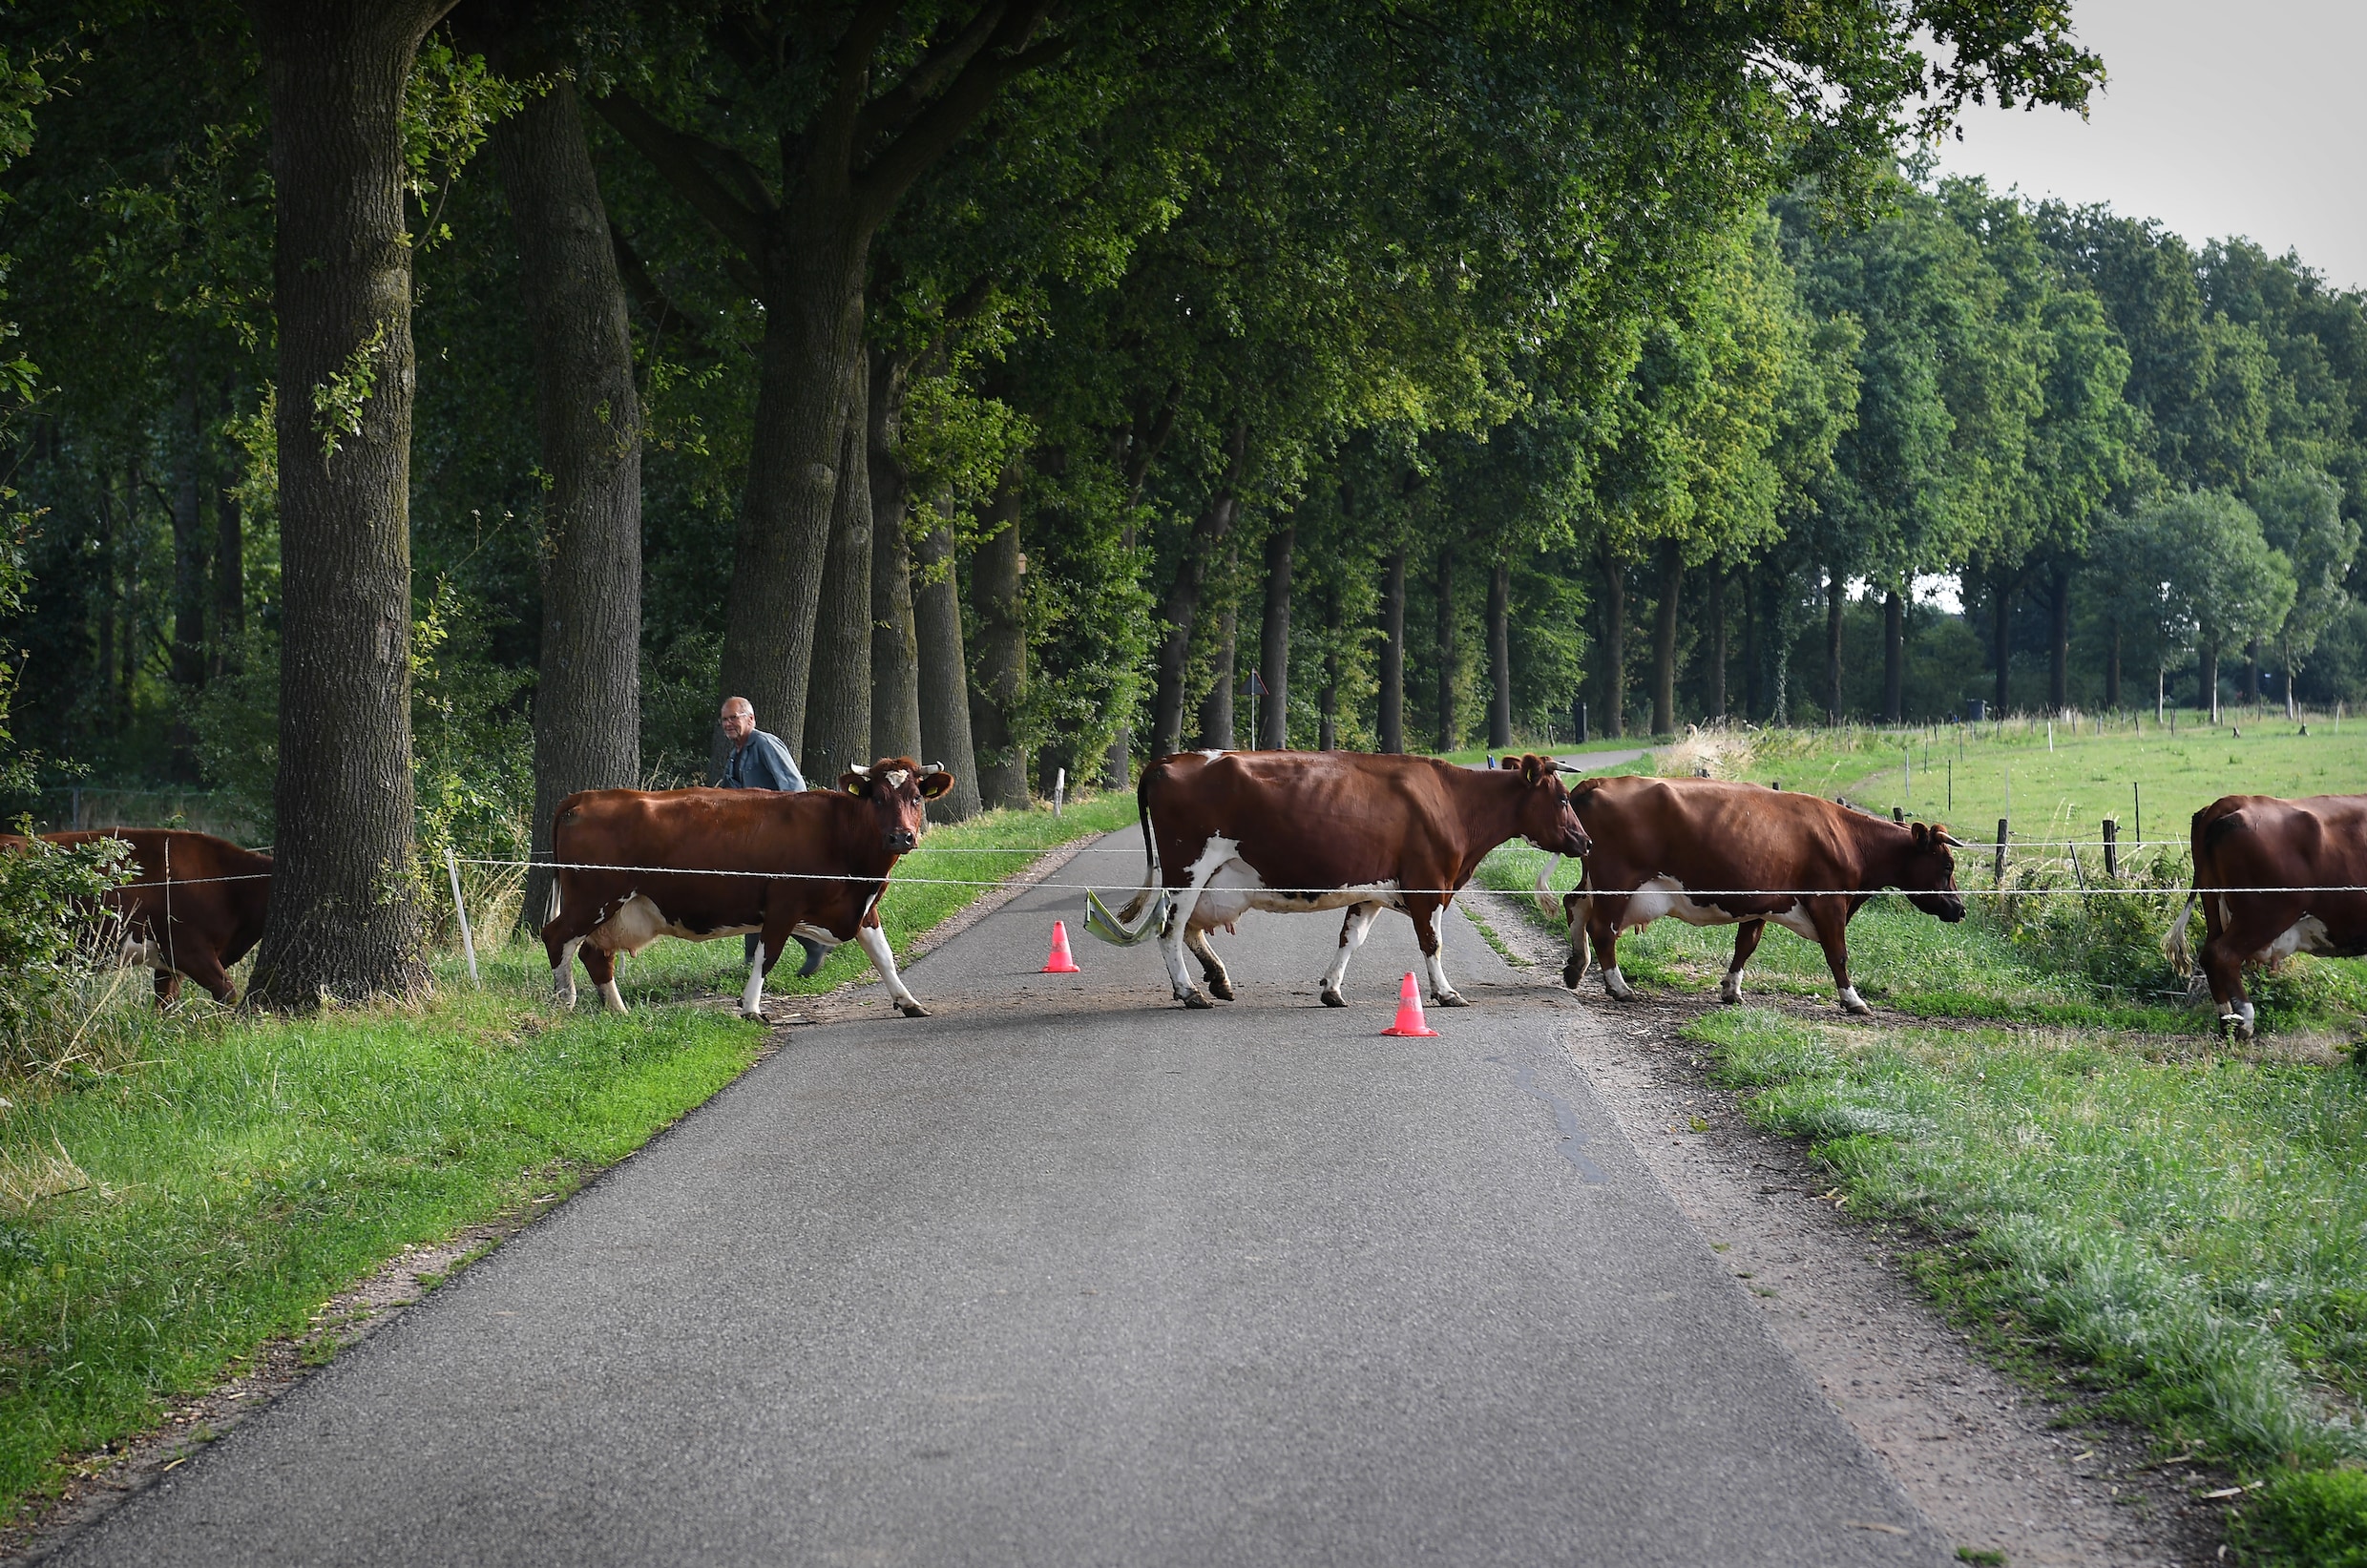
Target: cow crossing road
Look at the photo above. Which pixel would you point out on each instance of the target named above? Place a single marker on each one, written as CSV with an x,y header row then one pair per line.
x,y
1040,1281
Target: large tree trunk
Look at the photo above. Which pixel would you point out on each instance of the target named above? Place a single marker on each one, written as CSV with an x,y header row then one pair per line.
x,y
110,596
2252,674
2112,670
344,912
1275,641
1614,644
2059,641
1328,700
1001,684
2001,616
1393,653
2207,698
838,704
1754,677
1500,656
944,677
1664,638
1182,608
895,650
1833,607
1893,656
1450,654
587,697
189,584
1216,707
1715,611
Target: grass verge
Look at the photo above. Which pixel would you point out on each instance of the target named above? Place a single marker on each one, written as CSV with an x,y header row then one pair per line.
x,y
167,1210
2183,1230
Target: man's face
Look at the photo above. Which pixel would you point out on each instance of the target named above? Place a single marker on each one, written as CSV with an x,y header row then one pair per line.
x,y
739,721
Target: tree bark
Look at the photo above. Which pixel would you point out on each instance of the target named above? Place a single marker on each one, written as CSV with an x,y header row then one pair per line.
x,y
189,577
1328,700
1614,645
895,648
1393,654
1500,656
995,570
1664,638
1754,677
1893,656
229,576
1450,654
1216,708
1833,607
2252,674
1715,612
344,913
2059,641
2208,696
2112,670
1274,640
838,705
2001,616
587,696
1182,607
944,677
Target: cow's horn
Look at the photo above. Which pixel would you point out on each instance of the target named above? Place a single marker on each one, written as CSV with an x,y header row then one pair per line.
x,y
1951,840
861,770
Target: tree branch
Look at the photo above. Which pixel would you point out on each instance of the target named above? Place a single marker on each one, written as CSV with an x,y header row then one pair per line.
x,y
674,154
892,109
938,127
664,314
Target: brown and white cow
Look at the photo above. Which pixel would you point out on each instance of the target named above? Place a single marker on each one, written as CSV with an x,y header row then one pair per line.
x,y
821,859
1715,853
195,905
1291,832
2261,868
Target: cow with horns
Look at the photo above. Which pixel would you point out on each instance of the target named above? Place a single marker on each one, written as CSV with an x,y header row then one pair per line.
x,y
635,864
1715,853
2273,877
1293,832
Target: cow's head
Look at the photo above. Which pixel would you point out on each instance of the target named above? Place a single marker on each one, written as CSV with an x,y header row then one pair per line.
x,y
896,786
1547,818
1928,878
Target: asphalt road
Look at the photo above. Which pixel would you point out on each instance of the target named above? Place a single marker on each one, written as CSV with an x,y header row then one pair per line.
x,y
1068,1275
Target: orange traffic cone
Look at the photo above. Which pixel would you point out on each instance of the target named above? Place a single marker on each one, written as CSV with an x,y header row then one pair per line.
x,y
1409,1012
1059,963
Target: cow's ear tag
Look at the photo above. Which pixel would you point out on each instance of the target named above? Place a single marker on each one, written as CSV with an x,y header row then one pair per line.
x,y
934,785
855,788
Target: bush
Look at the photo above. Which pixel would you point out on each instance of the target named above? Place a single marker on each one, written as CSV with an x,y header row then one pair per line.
x,y
54,937
2313,1517
2113,938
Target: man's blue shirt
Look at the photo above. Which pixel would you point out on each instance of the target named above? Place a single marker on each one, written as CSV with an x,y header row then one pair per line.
x,y
761,763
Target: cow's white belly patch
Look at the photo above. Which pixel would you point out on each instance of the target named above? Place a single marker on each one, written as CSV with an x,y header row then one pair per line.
x,y
2307,934
639,922
1667,896
1235,888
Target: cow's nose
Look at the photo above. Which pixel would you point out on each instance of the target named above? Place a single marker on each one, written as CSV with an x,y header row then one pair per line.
x,y
902,839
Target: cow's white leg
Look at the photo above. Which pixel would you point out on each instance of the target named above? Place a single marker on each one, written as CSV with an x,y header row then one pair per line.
x,y
883,959
563,975
611,996
1211,965
1353,932
1617,985
1212,856
1851,1002
1730,988
752,995
1441,991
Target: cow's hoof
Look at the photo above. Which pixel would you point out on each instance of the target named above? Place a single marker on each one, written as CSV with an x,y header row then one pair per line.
x,y
1448,999
1196,998
753,1016
913,1010
1332,998
1222,989
1856,1009
1729,992
1572,972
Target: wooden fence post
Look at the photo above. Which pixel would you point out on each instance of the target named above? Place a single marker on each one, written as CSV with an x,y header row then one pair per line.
x,y
2112,848
2001,850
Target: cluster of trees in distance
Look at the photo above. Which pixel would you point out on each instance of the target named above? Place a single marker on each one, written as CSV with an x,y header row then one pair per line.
x,y
418,411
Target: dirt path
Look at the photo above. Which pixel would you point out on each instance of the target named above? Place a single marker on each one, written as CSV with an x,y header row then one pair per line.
x,y
1994,1466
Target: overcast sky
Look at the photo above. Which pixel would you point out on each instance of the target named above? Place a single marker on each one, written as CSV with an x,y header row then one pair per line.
x,y
2219,118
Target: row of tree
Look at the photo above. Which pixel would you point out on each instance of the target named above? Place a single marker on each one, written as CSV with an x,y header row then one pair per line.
x,y
438,406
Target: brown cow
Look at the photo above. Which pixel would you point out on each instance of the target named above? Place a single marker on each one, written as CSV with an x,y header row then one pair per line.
x,y
1293,832
2262,867
1819,863
823,856
195,905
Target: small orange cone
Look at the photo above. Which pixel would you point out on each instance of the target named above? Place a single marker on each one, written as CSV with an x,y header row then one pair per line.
x,y
1410,1010
1059,963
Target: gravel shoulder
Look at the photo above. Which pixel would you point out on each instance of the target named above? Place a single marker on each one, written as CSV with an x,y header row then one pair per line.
x,y
1994,1465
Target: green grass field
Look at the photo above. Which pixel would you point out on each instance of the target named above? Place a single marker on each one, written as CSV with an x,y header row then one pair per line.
x,y
169,1206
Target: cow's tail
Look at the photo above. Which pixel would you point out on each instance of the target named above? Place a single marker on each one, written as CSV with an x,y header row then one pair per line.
x,y
1135,922
2174,945
1547,904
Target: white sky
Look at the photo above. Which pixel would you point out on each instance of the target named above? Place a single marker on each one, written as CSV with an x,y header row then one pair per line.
x,y
2218,117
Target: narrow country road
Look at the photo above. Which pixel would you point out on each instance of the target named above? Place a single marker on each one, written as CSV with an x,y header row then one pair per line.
x,y
1068,1275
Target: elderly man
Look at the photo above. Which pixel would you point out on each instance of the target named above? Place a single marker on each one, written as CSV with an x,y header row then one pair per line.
x,y
758,760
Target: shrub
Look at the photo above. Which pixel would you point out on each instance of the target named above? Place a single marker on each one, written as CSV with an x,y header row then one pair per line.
x,y
54,937
2114,938
2313,1517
